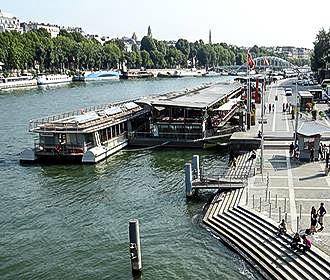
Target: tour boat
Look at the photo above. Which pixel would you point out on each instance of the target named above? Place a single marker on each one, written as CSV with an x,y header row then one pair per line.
x,y
84,136
17,82
98,75
53,79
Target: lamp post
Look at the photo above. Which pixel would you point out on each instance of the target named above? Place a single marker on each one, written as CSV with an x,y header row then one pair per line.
x,y
296,121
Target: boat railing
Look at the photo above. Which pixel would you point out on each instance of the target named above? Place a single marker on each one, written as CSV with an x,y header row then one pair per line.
x,y
166,135
65,149
54,122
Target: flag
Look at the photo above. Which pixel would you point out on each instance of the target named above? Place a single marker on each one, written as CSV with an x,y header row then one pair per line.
x,y
266,62
250,62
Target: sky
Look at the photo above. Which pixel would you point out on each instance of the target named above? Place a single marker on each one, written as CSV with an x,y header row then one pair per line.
x,y
238,22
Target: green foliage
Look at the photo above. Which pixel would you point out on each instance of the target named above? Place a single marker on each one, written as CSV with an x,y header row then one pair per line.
x,y
321,54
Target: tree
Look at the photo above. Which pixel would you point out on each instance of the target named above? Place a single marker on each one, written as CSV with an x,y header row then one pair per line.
x,y
321,53
147,44
146,60
183,46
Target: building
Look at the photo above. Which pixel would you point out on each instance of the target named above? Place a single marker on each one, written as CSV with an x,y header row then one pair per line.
x,y
73,29
9,22
149,31
52,29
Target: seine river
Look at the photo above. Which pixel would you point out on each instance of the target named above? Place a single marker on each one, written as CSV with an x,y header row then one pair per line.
x,y
71,221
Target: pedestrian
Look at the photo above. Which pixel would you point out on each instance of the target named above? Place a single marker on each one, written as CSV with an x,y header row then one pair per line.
x,y
321,212
273,107
283,107
307,244
321,151
313,220
312,155
287,106
291,149
269,107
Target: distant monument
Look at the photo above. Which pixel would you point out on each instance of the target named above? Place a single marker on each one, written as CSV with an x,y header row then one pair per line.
x,y
134,37
210,37
149,31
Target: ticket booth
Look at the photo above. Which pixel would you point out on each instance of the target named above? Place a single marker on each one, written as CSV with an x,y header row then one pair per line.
x,y
305,97
308,138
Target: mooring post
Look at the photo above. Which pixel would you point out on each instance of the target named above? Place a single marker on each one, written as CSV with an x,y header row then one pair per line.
x,y
195,166
285,205
188,179
260,205
300,208
270,210
135,246
276,201
279,214
252,201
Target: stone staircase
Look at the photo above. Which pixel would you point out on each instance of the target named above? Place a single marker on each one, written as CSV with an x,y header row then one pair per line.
x,y
256,239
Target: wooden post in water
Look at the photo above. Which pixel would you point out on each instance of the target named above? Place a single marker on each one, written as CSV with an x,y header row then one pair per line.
x,y
195,166
135,246
188,179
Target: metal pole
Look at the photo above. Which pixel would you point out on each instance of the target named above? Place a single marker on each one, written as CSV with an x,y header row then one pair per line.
x,y
276,201
298,223
270,210
269,197
296,121
260,205
247,197
285,205
286,217
300,208
253,201
266,194
279,214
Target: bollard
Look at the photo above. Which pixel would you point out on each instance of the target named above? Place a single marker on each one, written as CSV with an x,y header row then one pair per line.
x,y
252,201
135,246
247,197
300,208
195,166
260,205
285,205
276,201
279,214
188,179
270,210
286,217
298,222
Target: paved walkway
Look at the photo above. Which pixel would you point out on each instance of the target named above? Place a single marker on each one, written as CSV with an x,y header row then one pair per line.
x,y
301,185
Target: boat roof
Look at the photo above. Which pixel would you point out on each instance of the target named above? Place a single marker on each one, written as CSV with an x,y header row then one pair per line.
x,y
199,98
88,119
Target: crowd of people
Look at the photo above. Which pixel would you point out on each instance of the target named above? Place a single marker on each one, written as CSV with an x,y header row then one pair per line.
x,y
300,241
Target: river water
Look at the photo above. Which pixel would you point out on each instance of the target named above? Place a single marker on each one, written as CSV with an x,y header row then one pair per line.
x,y
71,221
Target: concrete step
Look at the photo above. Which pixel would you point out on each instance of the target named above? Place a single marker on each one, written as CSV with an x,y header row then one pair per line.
x,y
307,259
269,242
315,254
268,265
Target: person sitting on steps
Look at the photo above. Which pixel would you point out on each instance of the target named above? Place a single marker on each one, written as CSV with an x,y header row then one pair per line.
x,y
282,227
296,240
306,245
253,156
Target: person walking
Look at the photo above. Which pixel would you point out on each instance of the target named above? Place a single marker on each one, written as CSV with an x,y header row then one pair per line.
x,y
287,106
321,151
283,107
313,220
291,149
273,107
312,155
321,212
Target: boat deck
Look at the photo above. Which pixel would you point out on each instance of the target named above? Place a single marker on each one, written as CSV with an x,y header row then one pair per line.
x,y
88,119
